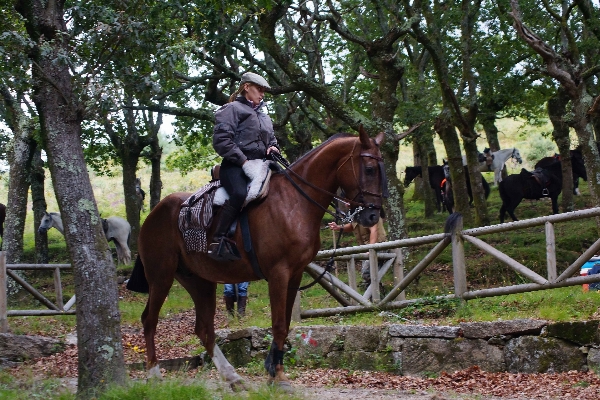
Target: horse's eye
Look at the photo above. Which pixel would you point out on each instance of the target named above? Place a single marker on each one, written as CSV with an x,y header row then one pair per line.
x,y
370,171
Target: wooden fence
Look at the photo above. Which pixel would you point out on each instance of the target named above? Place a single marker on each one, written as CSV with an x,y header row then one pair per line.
x,y
370,299
54,308
352,301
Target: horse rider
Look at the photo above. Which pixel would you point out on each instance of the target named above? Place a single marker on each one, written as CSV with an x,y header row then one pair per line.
x,y
242,132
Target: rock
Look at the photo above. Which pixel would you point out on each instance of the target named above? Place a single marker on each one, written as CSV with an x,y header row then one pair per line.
x,y
593,360
25,347
516,327
443,332
533,354
424,356
584,333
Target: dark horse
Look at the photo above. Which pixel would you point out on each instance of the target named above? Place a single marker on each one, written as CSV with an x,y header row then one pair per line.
x,y
285,231
544,162
436,182
544,182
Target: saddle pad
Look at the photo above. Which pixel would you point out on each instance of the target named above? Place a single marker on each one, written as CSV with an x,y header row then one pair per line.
x,y
195,217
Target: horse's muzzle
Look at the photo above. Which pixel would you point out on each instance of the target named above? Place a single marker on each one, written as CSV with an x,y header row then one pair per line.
x,y
368,217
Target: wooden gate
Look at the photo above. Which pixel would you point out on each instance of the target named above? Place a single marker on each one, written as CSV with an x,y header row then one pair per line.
x,y
54,308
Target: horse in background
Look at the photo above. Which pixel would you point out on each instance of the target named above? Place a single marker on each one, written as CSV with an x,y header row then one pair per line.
x,y
2,218
499,158
543,182
436,178
116,229
544,162
141,195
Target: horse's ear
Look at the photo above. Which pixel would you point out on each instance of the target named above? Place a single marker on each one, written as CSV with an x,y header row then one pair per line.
x,y
379,138
364,136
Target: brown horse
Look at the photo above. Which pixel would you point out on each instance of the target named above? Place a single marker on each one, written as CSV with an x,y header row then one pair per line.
x,y
285,231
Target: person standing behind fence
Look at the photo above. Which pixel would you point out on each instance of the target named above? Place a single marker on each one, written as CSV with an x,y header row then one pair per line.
x,y
236,292
364,235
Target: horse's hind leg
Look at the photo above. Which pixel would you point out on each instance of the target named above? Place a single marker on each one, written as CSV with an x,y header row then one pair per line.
x,y
156,297
203,294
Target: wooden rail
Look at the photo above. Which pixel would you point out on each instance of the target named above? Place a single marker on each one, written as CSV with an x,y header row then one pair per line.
x,y
54,308
369,301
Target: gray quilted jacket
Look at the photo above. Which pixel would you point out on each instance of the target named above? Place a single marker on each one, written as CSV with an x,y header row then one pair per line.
x,y
242,133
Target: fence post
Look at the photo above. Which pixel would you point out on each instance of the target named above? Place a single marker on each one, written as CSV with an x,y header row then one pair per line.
x,y
296,310
458,258
374,270
58,289
399,271
351,266
3,300
551,251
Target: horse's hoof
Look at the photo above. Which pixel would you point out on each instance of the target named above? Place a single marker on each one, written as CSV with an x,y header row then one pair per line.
x,y
238,386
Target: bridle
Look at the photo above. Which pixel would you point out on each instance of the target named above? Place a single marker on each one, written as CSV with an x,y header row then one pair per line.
x,y
357,200
339,215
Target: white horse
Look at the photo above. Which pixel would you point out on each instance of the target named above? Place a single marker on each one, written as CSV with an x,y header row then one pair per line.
x,y
500,158
115,228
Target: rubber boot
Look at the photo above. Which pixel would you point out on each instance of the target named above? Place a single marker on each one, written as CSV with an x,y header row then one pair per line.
x,y
223,248
242,305
229,305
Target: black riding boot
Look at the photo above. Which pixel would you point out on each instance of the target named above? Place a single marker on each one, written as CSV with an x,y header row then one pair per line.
x,y
242,305
223,248
229,305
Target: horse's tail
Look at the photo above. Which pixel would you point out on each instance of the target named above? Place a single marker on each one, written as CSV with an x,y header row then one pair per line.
x,y
137,281
451,222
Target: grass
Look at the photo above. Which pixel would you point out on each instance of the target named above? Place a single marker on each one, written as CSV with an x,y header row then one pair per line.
x,y
179,385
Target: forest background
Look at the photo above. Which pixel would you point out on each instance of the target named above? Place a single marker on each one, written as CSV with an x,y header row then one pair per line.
x,y
89,84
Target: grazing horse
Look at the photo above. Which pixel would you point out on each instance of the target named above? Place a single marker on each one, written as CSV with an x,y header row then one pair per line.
x,y
284,228
499,159
543,182
139,192
436,178
115,228
544,162
2,218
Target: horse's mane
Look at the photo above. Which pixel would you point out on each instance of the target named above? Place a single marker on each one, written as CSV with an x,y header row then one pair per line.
x,y
331,139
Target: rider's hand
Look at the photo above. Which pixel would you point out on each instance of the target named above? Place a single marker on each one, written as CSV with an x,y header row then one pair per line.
x,y
334,227
272,148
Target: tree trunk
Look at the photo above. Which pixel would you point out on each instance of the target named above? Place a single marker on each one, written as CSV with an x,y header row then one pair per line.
x,y
38,199
18,187
557,109
447,132
100,352
132,209
155,179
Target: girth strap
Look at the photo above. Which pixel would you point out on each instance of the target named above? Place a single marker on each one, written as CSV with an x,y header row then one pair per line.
x,y
245,227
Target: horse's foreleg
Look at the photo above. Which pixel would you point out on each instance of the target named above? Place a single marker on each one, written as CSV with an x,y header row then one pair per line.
x,y
281,312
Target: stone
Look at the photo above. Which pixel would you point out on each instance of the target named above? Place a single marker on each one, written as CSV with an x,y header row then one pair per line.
x,y
363,361
516,327
443,332
593,360
534,354
315,342
425,356
584,333
237,352
365,338
26,347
